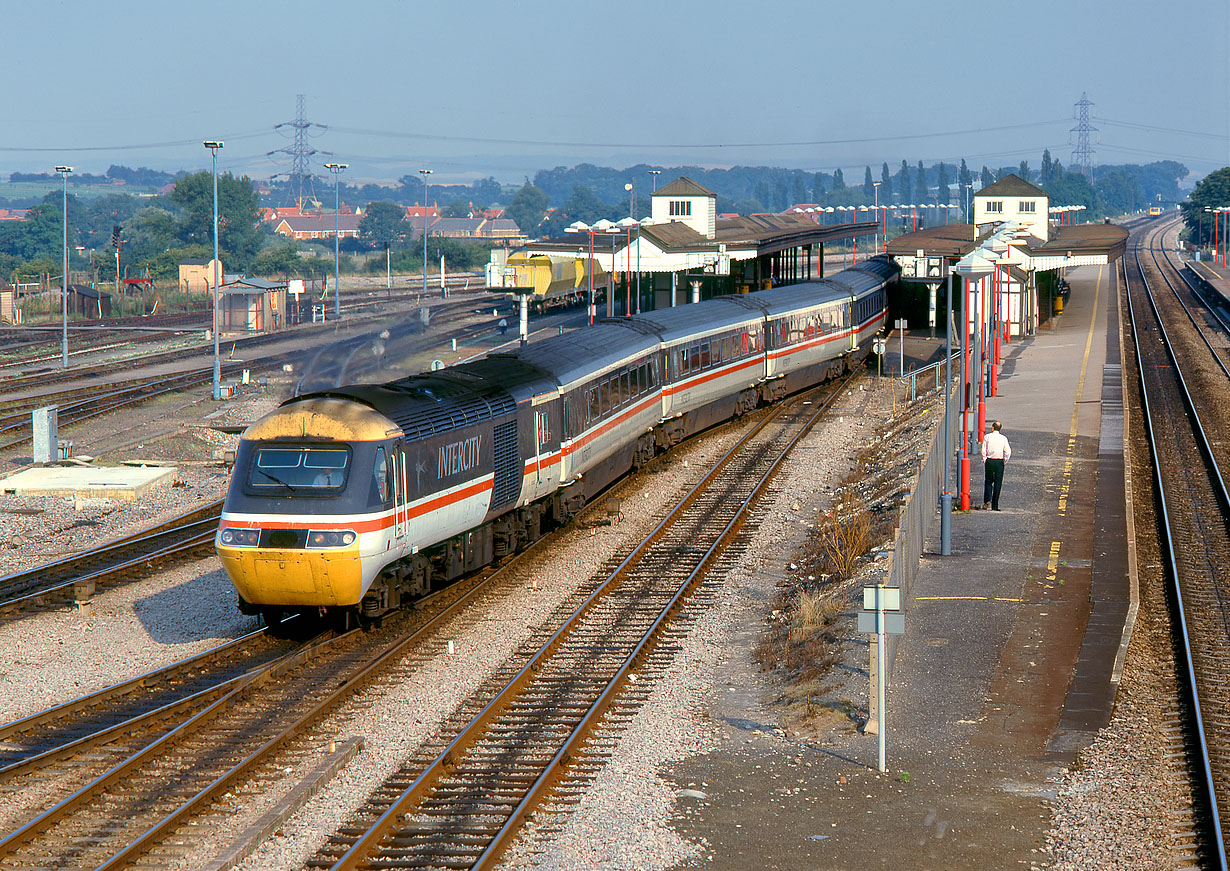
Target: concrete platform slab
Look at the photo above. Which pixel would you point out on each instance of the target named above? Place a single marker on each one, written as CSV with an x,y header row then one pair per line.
x,y
101,482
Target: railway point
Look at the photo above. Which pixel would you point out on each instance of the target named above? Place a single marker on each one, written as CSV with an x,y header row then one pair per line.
x,y
1010,658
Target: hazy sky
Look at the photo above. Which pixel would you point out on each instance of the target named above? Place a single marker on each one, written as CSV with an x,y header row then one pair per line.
x,y
471,88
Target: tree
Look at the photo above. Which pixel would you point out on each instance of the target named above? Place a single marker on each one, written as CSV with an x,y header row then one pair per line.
x,y
1023,170
527,208
799,189
1212,192
886,182
149,233
839,180
485,191
869,189
40,234
239,234
279,259
1048,167
1073,189
584,205
921,189
988,178
903,183
964,176
817,187
942,194
382,224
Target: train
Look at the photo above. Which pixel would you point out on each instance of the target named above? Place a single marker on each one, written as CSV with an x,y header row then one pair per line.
x,y
1155,211
355,500
547,280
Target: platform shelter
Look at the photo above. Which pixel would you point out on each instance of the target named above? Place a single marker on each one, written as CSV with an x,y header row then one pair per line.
x,y
684,251
251,304
1013,249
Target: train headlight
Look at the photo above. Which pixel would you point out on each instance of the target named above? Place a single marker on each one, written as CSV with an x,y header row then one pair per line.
x,y
331,538
240,537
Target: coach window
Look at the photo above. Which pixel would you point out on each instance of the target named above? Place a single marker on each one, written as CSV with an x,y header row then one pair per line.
x,y
604,397
595,407
638,384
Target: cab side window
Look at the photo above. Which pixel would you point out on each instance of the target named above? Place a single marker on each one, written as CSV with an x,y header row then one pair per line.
x,y
381,474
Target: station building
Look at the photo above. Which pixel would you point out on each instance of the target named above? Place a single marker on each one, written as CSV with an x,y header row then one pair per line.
x,y
683,252
1013,245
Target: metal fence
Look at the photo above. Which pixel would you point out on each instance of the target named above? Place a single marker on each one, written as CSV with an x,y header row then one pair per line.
x,y
920,509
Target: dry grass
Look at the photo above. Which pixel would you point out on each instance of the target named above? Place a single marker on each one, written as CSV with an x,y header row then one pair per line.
x,y
803,641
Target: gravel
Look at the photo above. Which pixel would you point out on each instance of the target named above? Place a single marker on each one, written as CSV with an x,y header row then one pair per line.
x,y
624,819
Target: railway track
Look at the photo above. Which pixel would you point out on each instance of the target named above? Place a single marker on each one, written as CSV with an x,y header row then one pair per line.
x,y
336,362
226,747
527,736
1193,507
131,558
106,723
209,749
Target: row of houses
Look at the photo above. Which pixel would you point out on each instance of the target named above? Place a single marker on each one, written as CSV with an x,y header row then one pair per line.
x,y
486,224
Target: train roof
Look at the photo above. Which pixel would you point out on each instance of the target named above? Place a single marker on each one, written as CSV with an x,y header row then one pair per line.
x,y
446,399
839,286
682,321
584,352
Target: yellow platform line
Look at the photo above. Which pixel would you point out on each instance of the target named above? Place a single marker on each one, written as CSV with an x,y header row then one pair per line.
x,y
965,598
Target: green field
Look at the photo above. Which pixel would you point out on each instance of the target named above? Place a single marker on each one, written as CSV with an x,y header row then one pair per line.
x,y
35,191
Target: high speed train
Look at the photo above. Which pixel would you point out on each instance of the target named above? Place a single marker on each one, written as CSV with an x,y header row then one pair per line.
x,y
359,498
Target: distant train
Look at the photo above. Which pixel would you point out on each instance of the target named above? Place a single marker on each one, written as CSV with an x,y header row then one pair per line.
x,y
1154,211
548,280
360,498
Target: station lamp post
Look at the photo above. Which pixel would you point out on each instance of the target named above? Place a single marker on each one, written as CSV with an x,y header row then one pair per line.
x,y
424,173
64,172
655,173
582,227
971,267
336,169
213,146
969,218
876,186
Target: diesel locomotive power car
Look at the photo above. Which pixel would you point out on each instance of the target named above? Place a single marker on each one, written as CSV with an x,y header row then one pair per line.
x,y
362,497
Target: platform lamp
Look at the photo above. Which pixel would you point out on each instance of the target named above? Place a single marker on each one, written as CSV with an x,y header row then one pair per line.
x,y
64,172
971,267
876,186
336,169
603,225
655,173
213,146
424,173
582,227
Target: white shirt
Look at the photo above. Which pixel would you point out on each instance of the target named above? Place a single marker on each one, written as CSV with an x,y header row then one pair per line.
x,y
995,446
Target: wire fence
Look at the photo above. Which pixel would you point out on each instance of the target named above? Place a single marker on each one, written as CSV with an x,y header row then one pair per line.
x,y
922,506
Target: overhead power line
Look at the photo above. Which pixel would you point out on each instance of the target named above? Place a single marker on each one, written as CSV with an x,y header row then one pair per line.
x,y
485,140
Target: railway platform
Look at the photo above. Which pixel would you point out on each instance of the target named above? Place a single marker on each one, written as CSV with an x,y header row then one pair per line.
x,y
1010,659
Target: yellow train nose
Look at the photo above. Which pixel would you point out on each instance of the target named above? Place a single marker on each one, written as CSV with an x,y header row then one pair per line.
x,y
295,578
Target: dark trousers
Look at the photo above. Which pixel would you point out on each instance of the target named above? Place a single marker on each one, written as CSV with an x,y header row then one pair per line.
x,y
994,480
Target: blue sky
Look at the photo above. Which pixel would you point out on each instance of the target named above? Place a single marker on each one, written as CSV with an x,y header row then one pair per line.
x,y
480,88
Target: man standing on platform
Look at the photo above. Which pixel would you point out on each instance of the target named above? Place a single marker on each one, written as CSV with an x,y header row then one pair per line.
x,y
995,452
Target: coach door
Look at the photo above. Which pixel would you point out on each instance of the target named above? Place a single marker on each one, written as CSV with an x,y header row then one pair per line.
x,y
401,508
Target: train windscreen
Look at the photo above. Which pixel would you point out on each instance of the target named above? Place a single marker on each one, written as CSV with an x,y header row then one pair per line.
x,y
300,468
